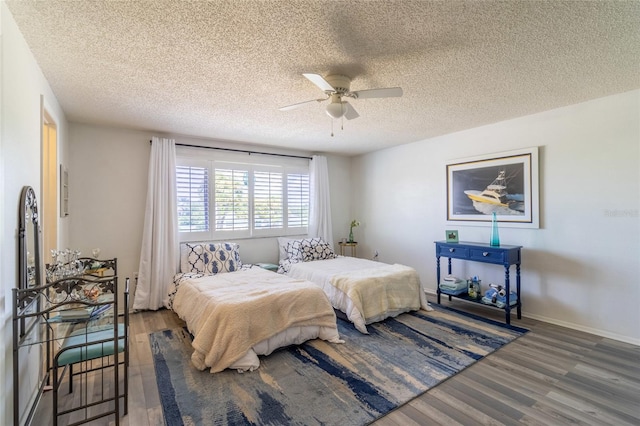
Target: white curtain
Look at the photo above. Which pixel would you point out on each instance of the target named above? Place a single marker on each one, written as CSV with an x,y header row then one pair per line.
x,y
159,253
320,205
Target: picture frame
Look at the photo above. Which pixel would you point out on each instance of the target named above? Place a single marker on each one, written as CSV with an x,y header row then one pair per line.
x,y
452,236
64,191
505,183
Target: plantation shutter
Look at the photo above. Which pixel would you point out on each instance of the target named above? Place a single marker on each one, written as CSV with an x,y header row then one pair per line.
x,y
297,200
192,187
268,205
231,199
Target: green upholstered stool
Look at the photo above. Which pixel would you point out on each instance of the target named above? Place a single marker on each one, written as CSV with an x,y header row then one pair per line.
x,y
90,343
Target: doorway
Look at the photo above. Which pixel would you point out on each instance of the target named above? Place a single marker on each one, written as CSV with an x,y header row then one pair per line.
x,y
49,186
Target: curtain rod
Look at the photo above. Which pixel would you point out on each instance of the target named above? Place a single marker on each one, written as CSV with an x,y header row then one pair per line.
x,y
242,151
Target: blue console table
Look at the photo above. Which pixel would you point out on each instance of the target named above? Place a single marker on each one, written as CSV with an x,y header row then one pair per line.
x,y
479,252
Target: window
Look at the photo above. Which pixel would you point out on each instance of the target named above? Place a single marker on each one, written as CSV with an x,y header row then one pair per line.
x,y
298,200
235,196
192,187
231,200
268,200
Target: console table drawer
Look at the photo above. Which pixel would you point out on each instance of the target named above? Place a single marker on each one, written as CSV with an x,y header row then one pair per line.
x,y
456,252
488,255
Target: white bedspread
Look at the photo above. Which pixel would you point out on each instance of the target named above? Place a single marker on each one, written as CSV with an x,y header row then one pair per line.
x,y
366,291
231,313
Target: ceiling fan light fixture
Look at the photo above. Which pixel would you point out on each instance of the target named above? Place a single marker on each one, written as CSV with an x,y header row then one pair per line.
x,y
337,87
335,110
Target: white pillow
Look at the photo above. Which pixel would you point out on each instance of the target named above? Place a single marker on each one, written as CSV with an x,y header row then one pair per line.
x,y
282,247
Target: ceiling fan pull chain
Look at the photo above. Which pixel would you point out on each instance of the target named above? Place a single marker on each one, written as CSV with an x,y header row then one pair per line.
x,y
331,127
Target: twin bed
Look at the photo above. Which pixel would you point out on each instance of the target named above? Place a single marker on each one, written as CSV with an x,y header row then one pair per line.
x,y
237,312
364,290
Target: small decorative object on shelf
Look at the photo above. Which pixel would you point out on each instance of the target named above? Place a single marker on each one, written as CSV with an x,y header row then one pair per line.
x,y
68,263
91,293
453,286
495,238
65,263
474,291
354,223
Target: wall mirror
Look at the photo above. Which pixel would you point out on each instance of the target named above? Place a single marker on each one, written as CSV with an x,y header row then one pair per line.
x,y
29,255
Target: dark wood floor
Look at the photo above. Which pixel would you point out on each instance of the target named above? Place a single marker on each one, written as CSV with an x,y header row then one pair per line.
x,y
550,376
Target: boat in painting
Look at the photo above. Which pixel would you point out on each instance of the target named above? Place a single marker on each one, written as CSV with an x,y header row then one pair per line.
x,y
494,193
495,196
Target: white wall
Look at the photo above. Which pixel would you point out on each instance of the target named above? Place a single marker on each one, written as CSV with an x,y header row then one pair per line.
x,y
23,89
108,187
107,192
581,268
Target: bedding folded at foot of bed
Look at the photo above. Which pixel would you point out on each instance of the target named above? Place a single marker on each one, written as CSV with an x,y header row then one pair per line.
x,y
231,313
382,292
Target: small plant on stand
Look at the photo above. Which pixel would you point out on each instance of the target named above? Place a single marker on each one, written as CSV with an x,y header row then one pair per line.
x,y
354,223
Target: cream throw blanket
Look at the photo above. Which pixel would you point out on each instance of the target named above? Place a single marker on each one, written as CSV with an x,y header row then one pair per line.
x,y
377,292
230,313
376,283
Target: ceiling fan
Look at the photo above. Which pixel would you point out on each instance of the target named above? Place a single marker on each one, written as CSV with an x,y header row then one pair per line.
x,y
336,87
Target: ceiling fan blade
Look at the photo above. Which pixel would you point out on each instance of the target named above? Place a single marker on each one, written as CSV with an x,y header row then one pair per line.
x,y
319,81
389,92
350,112
299,104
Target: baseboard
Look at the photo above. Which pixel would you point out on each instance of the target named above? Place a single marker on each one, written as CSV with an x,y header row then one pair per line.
x,y
595,331
572,326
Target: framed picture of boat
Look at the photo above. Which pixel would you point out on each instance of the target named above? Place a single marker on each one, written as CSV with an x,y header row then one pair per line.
x,y
503,183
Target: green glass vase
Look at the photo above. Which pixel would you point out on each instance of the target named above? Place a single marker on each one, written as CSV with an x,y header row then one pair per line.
x,y
495,238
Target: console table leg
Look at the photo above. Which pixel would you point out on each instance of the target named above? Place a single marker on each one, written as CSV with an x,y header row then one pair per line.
x,y
519,308
438,278
507,307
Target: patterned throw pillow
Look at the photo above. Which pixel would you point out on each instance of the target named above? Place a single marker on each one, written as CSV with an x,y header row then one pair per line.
x,y
210,258
309,249
284,266
282,247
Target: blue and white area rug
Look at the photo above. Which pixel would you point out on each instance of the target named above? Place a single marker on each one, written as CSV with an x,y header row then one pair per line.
x,y
320,383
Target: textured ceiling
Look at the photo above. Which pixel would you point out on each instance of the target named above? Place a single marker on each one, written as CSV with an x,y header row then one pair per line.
x,y
221,69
